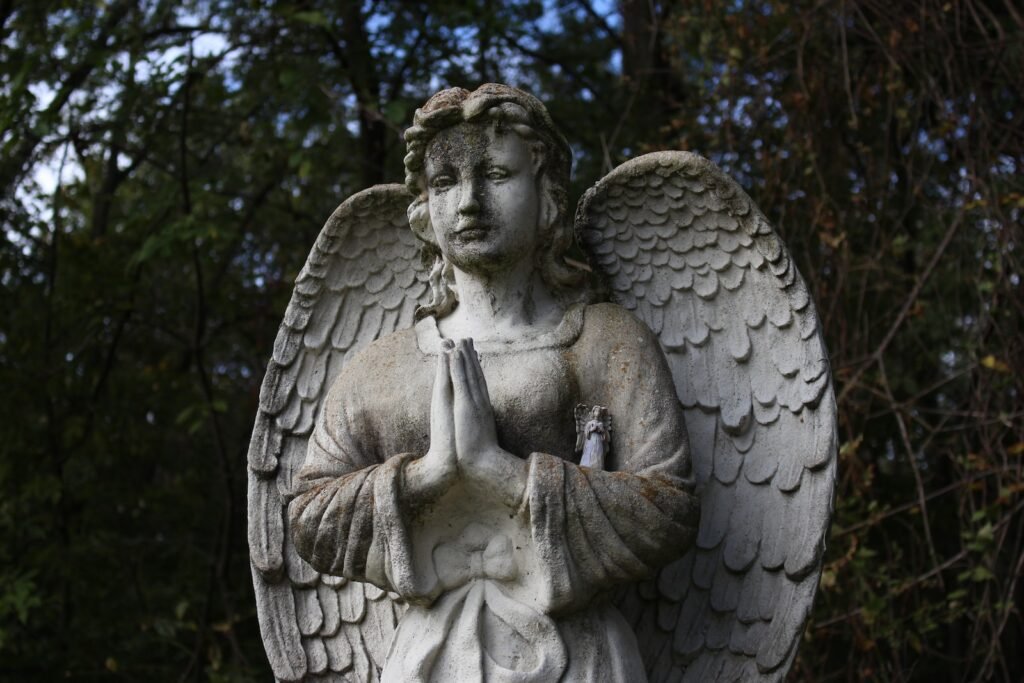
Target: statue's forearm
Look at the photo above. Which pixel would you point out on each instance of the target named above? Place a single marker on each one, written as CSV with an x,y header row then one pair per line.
x,y
330,527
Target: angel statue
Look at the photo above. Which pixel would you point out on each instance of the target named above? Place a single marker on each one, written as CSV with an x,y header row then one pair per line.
x,y
479,459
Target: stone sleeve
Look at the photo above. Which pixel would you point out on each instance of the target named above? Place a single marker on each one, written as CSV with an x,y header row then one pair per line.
x,y
345,515
594,529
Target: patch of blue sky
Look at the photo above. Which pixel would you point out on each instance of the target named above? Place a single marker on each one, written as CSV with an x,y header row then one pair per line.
x,y
376,21
856,182
738,112
43,94
1005,165
731,163
933,145
550,19
607,10
36,193
259,266
747,6
166,63
232,369
172,60
350,113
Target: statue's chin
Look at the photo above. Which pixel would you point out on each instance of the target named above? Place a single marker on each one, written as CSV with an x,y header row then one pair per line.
x,y
483,258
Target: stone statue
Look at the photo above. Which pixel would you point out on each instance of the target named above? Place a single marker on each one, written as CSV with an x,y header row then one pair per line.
x,y
477,458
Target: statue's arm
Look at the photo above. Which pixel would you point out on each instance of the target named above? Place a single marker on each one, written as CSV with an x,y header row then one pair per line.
x,y
599,528
330,511
350,503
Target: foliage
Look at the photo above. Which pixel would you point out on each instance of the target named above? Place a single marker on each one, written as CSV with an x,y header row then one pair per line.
x,y
165,169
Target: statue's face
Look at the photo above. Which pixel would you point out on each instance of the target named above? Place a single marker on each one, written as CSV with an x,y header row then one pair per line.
x,y
483,197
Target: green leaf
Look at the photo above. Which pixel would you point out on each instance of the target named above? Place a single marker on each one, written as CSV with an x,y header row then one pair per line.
x,y
980,573
311,17
396,112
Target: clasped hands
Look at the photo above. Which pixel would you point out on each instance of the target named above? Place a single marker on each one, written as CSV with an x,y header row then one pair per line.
x,y
463,437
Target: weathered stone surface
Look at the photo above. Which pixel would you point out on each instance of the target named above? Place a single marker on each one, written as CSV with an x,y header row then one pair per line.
x,y
452,499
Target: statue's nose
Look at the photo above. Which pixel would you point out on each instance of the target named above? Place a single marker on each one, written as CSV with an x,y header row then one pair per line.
x,y
469,202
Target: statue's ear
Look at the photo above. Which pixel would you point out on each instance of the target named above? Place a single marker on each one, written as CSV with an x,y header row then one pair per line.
x,y
419,220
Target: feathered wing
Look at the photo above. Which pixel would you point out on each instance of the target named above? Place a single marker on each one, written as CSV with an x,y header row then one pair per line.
x,y
363,279
686,250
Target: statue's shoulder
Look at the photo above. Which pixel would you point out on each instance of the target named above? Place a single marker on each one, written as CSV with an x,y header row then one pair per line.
x,y
389,355
610,323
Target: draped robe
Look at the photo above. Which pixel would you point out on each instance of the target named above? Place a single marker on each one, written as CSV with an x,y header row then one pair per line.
x,y
497,593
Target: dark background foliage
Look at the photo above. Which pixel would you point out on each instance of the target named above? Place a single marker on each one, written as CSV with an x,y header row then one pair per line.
x,y
167,165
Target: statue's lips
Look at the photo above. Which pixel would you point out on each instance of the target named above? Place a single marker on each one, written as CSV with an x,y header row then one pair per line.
x,y
472,231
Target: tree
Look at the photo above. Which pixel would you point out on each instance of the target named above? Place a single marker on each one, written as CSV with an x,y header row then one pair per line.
x,y
166,167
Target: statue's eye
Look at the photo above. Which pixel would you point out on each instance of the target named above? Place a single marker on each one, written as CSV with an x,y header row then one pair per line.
x,y
497,173
442,181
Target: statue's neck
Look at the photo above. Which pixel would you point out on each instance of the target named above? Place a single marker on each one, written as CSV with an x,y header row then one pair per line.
x,y
504,305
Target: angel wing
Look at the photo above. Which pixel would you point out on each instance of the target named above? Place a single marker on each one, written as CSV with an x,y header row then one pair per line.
x,y
684,247
363,279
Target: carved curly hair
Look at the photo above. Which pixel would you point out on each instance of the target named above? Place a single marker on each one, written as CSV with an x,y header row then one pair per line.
x,y
509,109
